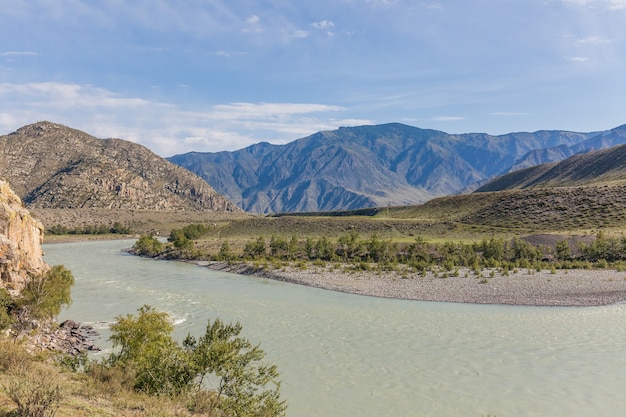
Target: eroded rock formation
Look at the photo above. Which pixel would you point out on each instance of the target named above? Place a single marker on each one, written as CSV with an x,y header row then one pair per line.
x,y
21,236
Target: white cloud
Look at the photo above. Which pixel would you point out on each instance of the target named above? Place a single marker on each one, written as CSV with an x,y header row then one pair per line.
x,y
252,20
323,25
60,95
253,24
593,40
18,53
165,128
448,118
300,34
508,113
255,110
577,59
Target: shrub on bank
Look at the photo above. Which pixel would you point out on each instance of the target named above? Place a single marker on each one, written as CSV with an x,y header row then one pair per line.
x,y
386,255
243,384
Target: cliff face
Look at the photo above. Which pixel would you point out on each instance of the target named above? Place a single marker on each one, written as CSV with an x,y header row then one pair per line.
x,y
20,242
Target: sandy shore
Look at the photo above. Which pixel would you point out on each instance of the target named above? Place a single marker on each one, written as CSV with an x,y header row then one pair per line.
x,y
563,288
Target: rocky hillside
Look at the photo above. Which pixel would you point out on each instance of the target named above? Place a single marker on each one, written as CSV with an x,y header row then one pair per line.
x,y
368,166
53,166
20,242
607,166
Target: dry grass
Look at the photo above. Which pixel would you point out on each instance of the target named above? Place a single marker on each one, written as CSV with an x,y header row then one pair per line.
x,y
139,221
78,394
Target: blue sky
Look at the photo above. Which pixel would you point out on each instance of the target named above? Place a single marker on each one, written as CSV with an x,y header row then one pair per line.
x,y
213,75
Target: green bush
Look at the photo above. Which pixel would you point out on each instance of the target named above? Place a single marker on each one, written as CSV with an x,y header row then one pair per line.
x,y
255,249
160,366
148,245
226,253
45,294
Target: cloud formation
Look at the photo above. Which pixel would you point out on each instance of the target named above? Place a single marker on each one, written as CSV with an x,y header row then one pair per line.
x,y
163,127
222,74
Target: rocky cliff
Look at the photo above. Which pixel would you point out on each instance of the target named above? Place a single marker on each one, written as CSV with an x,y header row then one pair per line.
x,y
20,242
53,166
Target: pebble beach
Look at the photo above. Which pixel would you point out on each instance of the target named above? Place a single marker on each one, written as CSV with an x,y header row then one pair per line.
x,y
577,287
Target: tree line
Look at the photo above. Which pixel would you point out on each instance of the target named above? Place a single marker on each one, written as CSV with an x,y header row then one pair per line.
x,y
385,254
102,229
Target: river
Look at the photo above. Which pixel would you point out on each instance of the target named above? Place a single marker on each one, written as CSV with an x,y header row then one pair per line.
x,y
348,355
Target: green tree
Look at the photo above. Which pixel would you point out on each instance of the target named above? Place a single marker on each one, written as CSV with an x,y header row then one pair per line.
x,y
117,228
237,366
348,246
148,245
324,249
243,385
45,294
255,249
292,251
226,253
179,239
563,251
148,350
279,246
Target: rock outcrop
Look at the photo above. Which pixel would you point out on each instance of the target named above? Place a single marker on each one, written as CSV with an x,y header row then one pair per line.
x,y
21,255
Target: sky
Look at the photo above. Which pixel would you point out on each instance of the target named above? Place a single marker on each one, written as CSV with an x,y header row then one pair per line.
x,y
220,75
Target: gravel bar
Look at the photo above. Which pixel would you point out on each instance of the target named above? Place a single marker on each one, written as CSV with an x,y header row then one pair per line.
x,y
577,287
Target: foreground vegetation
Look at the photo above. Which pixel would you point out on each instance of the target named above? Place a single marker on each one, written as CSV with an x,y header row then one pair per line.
x,y
149,373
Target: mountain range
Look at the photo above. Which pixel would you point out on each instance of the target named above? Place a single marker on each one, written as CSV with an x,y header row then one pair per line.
x,y
602,167
373,166
53,166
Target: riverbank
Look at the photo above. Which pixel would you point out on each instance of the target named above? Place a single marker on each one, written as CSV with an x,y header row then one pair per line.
x,y
578,287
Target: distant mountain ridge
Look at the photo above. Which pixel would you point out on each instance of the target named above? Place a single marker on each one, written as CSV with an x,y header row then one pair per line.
x,y
53,166
368,166
606,166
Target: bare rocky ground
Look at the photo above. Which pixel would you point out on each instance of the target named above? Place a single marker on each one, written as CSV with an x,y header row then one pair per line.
x,y
525,287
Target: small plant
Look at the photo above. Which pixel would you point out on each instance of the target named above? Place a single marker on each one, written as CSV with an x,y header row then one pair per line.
x,y
72,363
13,358
35,392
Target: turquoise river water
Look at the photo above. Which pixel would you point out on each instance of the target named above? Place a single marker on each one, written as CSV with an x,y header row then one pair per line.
x,y
349,355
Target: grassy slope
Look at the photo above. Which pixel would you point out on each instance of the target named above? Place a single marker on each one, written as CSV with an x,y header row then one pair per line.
x,y
465,217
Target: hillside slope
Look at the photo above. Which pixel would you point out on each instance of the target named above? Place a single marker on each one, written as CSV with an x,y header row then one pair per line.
x,y
366,166
597,141
594,168
53,166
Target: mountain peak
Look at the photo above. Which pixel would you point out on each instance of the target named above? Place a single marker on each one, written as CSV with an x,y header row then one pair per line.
x,y
50,165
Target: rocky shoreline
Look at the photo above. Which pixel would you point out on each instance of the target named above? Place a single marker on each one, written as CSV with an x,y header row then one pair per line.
x,y
579,287
68,337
